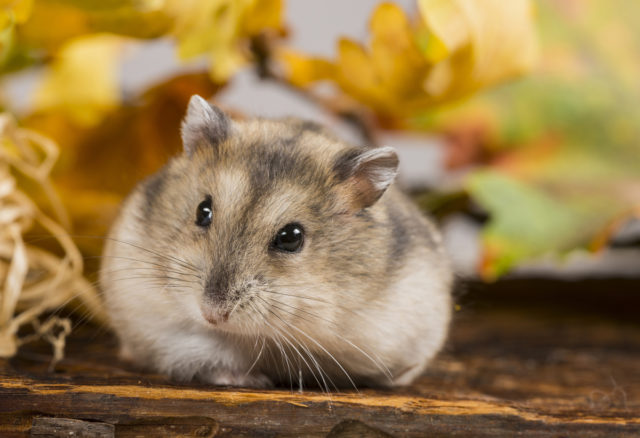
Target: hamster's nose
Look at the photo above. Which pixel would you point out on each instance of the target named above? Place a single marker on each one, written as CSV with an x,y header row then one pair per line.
x,y
214,294
214,316
216,289
215,305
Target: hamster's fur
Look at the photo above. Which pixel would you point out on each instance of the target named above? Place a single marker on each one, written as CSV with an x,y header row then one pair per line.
x,y
364,301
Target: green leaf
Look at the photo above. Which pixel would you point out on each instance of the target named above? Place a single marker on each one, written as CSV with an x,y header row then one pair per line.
x,y
527,221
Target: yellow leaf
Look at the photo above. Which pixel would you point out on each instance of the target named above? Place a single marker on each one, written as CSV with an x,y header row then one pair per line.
x,y
495,38
302,70
11,13
355,74
82,80
453,49
263,14
6,34
221,29
38,31
396,58
19,9
53,23
446,19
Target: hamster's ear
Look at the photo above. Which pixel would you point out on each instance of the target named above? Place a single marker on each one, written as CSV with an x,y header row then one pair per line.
x,y
365,175
204,125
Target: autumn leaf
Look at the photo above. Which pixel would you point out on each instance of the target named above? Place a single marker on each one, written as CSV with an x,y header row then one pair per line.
x,y
485,43
221,29
304,70
452,49
385,77
32,32
73,19
12,13
82,81
82,50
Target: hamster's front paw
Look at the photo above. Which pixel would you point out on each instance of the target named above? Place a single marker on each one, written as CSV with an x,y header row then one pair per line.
x,y
229,378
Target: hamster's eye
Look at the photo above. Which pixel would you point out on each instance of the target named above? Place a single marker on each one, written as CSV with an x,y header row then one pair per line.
x,y
204,213
289,238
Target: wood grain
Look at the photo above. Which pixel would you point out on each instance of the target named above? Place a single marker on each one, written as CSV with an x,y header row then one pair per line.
x,y
505,372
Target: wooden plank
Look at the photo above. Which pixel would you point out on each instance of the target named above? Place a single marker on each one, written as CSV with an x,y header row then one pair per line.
x,y
503,373
268,413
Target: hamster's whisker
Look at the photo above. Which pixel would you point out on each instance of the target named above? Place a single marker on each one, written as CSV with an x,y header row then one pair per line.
x,y
184,263
82,316
135,275
290,341
72,297
238,301
264,341
284,357
277,339
321,370
309,354
377,362
78,315
152,269
130,259
255,344
66,302
273,300
320,300
302,332
286,339
154,277
305,297
154,281
257,340
176,287
153,272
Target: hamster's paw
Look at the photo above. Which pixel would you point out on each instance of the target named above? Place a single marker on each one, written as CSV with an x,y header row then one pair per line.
x,y
407,375
229,378
126,353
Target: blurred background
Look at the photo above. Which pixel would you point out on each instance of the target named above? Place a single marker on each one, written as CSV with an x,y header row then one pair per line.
x,y
517,123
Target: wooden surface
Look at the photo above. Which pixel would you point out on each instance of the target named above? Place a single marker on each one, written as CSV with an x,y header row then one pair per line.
x,y
543,368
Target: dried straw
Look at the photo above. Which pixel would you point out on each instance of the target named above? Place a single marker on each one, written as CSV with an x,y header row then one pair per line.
x,y
33,280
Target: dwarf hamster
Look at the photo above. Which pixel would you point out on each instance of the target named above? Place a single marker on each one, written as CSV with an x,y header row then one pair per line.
x,y
270,252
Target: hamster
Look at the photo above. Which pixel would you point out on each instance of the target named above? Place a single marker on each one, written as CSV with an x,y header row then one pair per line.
x,y
270,252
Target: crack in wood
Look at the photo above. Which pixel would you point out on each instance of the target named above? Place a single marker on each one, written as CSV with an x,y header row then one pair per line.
x,y
415,405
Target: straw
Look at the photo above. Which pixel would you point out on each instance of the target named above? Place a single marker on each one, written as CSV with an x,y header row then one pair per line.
x,y
34,281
